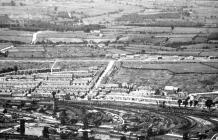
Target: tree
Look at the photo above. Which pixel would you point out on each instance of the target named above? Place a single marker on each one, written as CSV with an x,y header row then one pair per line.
x,y
53,94
172,27
142,51
85,119
185,136
157,92
201,136
13,3
179,102
195,103
191,103
185,103
15,68
164,103
73,121
55,8
63,116
41,110
7,103
209,103
123,138
22,104
5,111
6,54
67,96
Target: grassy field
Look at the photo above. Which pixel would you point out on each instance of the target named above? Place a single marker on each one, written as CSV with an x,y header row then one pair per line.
x,y
79,65
173,67
54,52
139,77
191,77
194,82
12,35
26,65
160,78
213,65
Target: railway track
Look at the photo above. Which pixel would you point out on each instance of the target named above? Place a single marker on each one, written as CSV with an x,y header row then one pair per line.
x,y
180,120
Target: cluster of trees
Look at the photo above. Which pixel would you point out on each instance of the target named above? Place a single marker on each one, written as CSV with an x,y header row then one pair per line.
x,y
136,18
208,103
184,23
186,102
39,25
12,3
9,69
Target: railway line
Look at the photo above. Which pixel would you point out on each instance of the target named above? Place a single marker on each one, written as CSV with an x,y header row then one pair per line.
x,y
175,123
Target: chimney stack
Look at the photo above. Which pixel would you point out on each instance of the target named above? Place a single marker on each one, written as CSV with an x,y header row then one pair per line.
x,y
22,127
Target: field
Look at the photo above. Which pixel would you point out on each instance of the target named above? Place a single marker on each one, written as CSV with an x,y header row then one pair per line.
x,y
16,36
160,27
78,65
91,11
4,45
70,36
140,77
175,68
61,52
194,82
201,46
191,77
25,65
213,65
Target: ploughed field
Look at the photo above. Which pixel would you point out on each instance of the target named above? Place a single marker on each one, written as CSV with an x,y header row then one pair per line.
x,y
190,77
